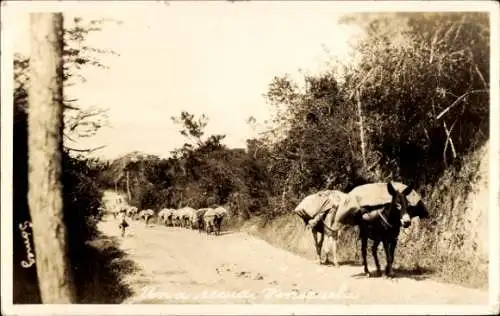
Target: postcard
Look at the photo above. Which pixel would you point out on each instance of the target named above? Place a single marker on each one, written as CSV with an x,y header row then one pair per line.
x,y
250,157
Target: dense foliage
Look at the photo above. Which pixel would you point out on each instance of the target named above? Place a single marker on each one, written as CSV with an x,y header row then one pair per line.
x,y
413,101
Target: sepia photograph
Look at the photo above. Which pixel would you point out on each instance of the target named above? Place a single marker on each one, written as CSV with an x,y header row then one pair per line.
x,y
250,157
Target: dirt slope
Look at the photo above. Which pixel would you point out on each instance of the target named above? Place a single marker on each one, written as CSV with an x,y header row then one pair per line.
x,y
478,203
182,266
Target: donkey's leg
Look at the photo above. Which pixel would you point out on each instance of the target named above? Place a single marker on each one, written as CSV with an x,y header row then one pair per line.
x,y
375,257
315,238
387,249
327,247
334,239
317,243
320,247
364,244
392,249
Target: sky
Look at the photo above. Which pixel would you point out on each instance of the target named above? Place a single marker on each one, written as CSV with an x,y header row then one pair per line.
x,y
211,58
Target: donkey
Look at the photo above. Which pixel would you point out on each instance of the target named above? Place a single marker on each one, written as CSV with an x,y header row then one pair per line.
x,y
197,219
313,210
383,225
218,218
146,215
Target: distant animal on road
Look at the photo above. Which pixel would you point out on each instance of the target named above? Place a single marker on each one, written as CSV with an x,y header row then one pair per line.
x,y
177,217
163,215
169,217
197,219
132,211
213,219
185,216
146,215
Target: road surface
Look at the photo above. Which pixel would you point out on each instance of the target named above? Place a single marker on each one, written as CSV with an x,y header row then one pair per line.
x,y
178,265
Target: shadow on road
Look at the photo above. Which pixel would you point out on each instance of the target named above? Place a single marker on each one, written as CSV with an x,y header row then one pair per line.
x,y
100,278
351,263
417,273
229,232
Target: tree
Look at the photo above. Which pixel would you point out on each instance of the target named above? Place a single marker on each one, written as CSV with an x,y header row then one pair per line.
x,y
192,128
422,80
45,126
81,122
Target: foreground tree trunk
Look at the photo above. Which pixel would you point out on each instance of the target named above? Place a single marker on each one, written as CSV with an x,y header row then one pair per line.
x,y
45,126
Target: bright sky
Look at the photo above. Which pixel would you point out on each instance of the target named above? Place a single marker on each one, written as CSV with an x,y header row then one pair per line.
x,y
208,58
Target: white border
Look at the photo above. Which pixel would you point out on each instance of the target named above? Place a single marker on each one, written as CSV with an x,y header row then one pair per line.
x,y
494,190
6,174
6,128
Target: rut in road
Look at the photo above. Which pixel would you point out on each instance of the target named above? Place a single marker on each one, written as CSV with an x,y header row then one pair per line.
x,y
178,265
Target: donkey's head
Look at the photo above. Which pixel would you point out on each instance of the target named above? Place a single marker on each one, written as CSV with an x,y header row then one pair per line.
x,y
399,203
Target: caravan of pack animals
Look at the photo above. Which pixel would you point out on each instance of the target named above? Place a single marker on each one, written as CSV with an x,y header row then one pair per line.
x,y
380,210
204,219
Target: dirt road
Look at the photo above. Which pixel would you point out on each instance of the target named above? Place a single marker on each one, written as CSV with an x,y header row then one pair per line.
x,y
178,265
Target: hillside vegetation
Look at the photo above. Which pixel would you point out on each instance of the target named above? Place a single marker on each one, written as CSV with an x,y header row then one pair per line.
x,y
412,106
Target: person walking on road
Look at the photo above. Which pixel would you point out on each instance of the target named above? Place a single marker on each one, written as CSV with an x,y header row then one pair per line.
x,y
123,223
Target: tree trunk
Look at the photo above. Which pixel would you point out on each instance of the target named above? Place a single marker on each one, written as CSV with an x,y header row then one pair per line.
x,y
45,126
361,129
128,187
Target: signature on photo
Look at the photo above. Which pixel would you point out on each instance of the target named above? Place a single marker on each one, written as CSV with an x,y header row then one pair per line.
x,y
30,255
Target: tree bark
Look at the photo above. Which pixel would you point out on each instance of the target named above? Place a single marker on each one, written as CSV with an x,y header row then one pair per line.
x,y
128,187
361,129
45,130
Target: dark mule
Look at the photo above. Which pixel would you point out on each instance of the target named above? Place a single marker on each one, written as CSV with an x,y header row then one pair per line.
x,y
385,227
218,223
198,219
200,223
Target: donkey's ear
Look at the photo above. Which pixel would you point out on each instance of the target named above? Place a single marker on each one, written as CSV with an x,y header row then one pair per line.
x,y
408,189
390,188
